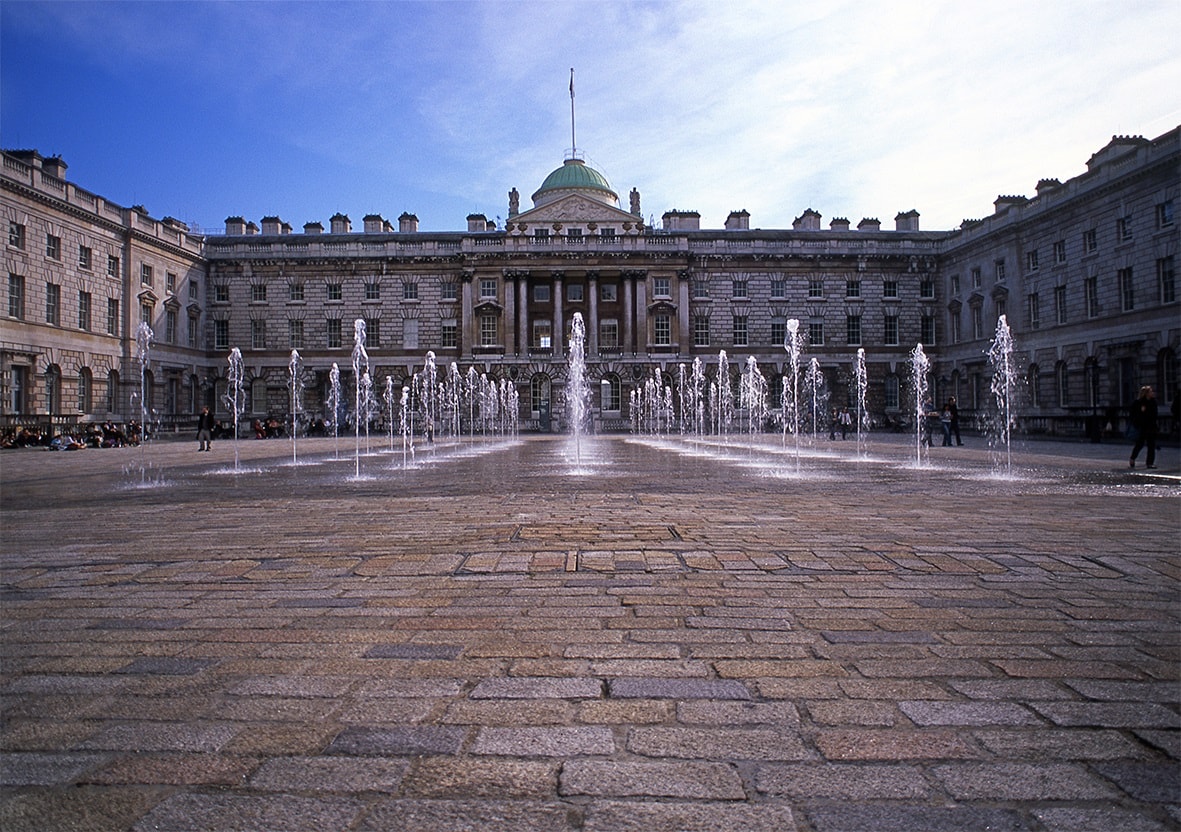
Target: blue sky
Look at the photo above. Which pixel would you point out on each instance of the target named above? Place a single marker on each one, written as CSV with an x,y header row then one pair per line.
x,y
202,110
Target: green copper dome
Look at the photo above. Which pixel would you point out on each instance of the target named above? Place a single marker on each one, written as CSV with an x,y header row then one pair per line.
x,y
575,177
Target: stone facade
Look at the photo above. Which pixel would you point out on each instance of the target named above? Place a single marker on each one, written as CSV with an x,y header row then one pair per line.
x,y
1084,272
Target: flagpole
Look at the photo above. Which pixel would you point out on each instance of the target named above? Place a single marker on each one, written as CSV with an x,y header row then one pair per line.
x,y
573,145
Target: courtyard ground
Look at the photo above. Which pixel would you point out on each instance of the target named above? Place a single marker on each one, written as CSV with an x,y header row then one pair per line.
x,y
631,635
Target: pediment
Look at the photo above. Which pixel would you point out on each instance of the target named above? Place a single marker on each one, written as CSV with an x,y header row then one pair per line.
x,y
573,209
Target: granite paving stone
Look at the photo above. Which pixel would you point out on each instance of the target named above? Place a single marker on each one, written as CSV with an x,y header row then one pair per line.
x,y
663,641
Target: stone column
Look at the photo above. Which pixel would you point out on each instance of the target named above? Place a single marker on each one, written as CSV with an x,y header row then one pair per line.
x,y
509,338
468,323
684,335
556,338
642,312
628,313
523,314
592,326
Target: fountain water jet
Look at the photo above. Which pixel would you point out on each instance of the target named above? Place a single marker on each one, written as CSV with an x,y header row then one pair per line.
x,y
579,389
862,382
360,372
920,367
235,398
295,382
1003,385
334,403
792,342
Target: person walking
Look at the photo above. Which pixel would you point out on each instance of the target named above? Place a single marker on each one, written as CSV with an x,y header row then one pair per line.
x,y
1142,420
205,430
945,424
955,420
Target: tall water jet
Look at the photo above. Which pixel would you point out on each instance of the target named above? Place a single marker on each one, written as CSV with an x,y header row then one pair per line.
x,y
861,380
143,351
407,425
920,367
428,396
390,398
724,398
334,403
235,398
816,391
793,343
682,395
368,405
295,383
752,397
697,396
360,369
472,387
1004,387
452,394
578,397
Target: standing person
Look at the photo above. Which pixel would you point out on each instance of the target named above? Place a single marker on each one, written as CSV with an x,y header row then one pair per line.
x,y
1142,418
955,420
204,430
846,422
945,424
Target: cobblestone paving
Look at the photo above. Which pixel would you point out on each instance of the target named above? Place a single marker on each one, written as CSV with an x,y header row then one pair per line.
x,y
510,637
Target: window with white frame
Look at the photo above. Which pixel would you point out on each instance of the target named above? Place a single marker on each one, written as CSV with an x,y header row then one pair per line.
x,y
1127,289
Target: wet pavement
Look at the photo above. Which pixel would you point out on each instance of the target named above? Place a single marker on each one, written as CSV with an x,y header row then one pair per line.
x,y
631,635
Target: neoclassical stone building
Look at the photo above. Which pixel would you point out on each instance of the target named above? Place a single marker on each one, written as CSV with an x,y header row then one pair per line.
x,y
1084,272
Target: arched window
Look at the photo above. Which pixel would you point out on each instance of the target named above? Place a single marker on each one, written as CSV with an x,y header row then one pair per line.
x,y
112,391
53,389
611,394
85,390
1166,375
1062,384
539,392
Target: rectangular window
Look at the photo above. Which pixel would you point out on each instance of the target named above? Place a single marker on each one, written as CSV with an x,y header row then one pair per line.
x,y
1060,304
488,288
85,257
778,288
16,297
295,335
221,335
977,322
1165,214
16,235
701,330
1031,261
738,288
372,290
543,335
816,333
145,313
332,340
192,331
112,316
541,292
926,288
852,288
1166,279
295,292
976,277
852,330
1123,229
815,288
927,329
258,293
1090,241
145,274
373,333
739,331
890,287
53,303
999,269
488,337
609,334
956,334
449,290
890,336
258,334
1001,305
170,326
541,235
334,292
700,288
661,287
194,292
574,233
1091,296
607,233
1127,290
409,290
112,266
608,292
84,311
170,282
575,292
893,393
221,293
1035,311
955,284
1060,252
53,247
778,331
449,338
662,330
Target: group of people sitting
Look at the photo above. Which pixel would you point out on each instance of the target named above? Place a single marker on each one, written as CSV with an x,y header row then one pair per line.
x,y
105,435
